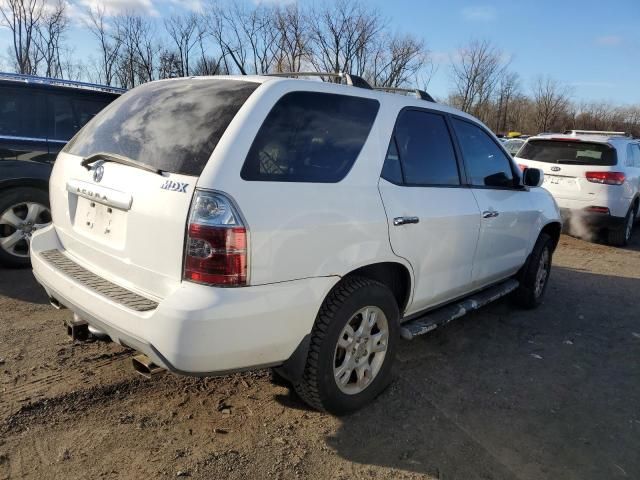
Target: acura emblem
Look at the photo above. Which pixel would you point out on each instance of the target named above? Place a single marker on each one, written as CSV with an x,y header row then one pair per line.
x,y
555,169
98,171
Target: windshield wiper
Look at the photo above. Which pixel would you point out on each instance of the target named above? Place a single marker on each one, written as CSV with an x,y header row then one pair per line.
x,y
112,157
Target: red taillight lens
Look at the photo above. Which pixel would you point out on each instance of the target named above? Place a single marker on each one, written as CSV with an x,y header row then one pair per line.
x,y
216,243
598,209
608,178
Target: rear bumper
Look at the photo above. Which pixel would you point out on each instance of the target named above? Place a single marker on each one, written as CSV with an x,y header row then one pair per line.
x,y
617,204
195,330
591,220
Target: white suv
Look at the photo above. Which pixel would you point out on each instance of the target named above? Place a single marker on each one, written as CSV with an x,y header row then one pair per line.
x,y
217,224
594,176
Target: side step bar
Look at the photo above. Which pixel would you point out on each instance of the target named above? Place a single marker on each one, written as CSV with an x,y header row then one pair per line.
x,y
441,316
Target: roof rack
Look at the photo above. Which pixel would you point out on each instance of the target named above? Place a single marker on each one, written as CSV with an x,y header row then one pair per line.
x,y
421,94
351,80
18,77
596,132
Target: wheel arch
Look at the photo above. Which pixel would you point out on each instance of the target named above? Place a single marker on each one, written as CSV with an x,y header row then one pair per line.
x,y
24,182
393,275
553,229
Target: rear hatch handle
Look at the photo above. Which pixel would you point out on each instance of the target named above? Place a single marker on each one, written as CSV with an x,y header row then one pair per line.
x,y
112,157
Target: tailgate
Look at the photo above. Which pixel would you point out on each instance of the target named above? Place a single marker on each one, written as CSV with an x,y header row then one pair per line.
x,y
129,227
124,214
565,163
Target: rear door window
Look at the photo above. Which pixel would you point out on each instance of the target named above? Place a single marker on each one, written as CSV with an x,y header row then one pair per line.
x,y
171,125
633,155
310,137
569,152
64,124
21,113
423,145
87,108
486,164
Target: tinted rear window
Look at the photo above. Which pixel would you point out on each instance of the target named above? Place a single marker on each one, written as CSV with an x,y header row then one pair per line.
x,y
171,125
21,113
568,152
310,137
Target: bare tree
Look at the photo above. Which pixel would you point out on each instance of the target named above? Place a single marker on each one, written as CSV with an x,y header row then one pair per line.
x,y
396,60
22,17
222,26
475,73
49,38
507,89
185,32
169,64
292,38
341,35
246,35
109,44
550,100
139,51
208,64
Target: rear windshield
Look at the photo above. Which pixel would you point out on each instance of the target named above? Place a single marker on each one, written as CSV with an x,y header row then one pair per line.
x,y
172,126
310,137
561,151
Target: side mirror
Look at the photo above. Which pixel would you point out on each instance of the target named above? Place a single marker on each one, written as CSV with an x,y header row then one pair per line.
x,y
532,177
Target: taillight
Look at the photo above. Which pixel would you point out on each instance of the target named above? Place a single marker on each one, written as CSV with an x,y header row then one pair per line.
x,y
598,209
216,243
608,178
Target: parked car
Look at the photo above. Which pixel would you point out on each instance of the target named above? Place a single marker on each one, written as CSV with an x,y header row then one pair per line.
x,y
218,224
38,116
594,177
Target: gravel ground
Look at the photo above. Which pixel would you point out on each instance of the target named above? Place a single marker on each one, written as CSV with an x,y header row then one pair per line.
x,y
500,394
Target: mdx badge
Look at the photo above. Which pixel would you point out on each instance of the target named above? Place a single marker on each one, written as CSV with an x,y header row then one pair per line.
x,y
175,186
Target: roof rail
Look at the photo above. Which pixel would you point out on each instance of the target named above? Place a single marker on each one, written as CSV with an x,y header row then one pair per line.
x,y
18,77
352,80
421,94
596,132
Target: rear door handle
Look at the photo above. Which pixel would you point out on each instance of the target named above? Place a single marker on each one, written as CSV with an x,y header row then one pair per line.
x,y
490,214
405,220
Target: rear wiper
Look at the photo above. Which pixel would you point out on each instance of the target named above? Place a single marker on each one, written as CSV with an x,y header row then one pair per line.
x,y
112,157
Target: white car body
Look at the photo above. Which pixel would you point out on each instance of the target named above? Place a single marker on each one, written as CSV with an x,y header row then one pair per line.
x,y
599,205
303,238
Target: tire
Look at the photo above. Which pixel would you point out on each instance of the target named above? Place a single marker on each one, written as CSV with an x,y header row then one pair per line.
x,y
348,304
532,287
22,211
620,237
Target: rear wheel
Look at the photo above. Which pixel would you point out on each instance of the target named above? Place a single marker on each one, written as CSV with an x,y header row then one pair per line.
x,y
22,211
534,276
620,237
352,347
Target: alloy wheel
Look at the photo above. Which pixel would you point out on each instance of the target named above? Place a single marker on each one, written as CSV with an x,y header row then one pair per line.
x,y
543,272
17,224
361,349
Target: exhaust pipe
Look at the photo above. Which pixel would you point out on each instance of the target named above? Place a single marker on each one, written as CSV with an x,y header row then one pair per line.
x,y
145,366
99,334
56,304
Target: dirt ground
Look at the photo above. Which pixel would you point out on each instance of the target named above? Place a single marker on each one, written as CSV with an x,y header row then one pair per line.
x,y
500,394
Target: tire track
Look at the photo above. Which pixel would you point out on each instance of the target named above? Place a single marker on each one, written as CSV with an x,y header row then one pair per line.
x,y
38,387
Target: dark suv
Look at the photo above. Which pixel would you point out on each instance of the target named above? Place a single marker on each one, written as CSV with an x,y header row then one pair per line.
x,y
38,116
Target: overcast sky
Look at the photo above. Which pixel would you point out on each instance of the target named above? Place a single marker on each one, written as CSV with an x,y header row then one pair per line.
x,y
591,46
